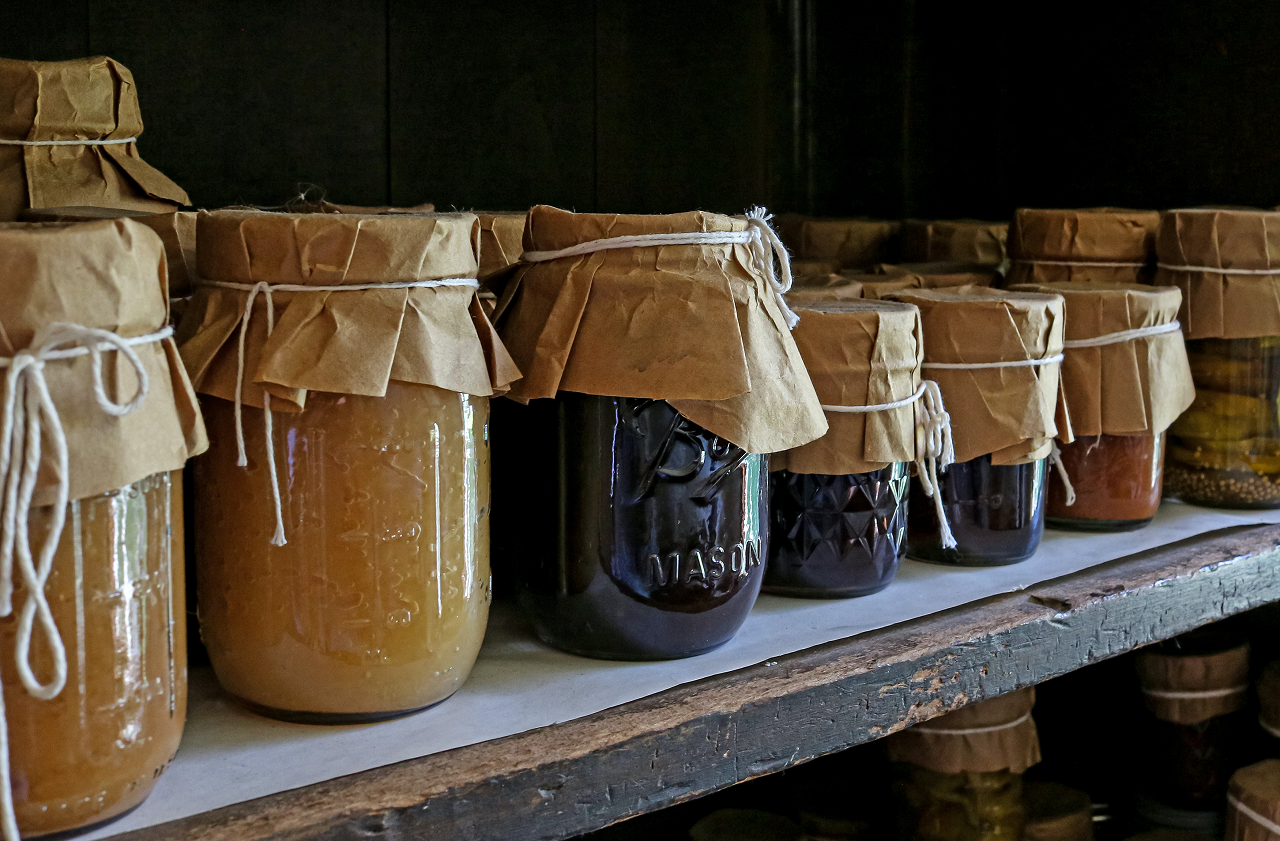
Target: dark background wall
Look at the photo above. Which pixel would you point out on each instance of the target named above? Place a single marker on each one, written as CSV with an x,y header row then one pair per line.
x,y
888,109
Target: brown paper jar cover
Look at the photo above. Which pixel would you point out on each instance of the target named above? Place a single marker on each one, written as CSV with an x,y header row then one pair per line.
x,y
958,240
1126,388
1041,239
815,289
828,244
1013,414
501,240
1217,305
340,342
108,275
1269,698
1011,743
1211,673
1255,788
1057,813
942,273
858,353
696,325
84,99
177,231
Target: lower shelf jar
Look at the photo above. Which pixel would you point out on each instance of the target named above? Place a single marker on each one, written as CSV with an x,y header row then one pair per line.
x,y
645,532
836,536
95,750
996,513
964,806
1117,481
378,603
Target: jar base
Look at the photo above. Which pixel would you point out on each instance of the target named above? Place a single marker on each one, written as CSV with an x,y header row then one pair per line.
x,y
60,834
628,656
1086,524
822,592
958,558
301,717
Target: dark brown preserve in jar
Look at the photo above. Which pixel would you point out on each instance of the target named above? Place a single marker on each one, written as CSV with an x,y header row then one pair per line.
x,y
644,533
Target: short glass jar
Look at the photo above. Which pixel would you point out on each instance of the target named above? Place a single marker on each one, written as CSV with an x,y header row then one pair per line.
x,y
996,513
964,806
95,751
1225,450
1117,481
378,603
645,533
836,536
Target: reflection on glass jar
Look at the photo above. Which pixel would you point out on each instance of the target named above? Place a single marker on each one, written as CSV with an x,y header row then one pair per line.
x,y
646,533
834,536
996,513
1225,450
967,806
1117,480
116,591
378,603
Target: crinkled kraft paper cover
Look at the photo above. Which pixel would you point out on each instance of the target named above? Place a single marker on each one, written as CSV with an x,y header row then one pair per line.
x,y
1217,305
835,244
1137,387
1224,670
696,325
340,342
1257,788
1014,748
858,353
894,277
1013,414
811,289
1094,235
958,240
85,99
108,275
501,240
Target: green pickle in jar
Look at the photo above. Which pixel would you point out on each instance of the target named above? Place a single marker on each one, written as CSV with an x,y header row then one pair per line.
x,y
1225,449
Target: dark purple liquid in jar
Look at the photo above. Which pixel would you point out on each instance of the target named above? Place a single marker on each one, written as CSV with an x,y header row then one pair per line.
x,y
642,535
836,536
996,513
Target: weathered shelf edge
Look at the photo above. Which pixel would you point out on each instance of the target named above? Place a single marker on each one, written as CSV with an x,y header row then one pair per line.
x,y
581,775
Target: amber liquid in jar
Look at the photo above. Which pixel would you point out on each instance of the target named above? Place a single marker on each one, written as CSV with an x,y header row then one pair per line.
x,y
1117,480
1225,450
968,806
996,513
95,751
836,536
645,534
378,603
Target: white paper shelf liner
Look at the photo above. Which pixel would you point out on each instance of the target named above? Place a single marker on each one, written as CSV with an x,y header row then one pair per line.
x,y
229,755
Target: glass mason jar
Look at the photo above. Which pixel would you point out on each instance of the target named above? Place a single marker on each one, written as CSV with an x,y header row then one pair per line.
x,y
1225,450
646,534
378,603
95,751
996,513
1117,480
836,536
967,806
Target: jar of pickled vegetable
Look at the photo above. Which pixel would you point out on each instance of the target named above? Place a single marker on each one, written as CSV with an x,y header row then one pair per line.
x,y
839,504
657,377
960,776
996,357
1225,450
94,664
342,521
1126,379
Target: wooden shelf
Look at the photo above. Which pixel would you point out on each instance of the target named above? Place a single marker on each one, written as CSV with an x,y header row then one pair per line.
x,y
562,780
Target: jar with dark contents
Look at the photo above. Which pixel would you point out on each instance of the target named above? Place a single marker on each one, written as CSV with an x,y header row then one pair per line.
x,y
645,535
839,504
1198,734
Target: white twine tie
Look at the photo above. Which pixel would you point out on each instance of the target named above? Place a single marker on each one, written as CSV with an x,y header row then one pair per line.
x,y
1055,458
266,289
934,448
759,237
1086,264
1211,270
974,366
967,731
1261,820
28,415
1195,694
4,142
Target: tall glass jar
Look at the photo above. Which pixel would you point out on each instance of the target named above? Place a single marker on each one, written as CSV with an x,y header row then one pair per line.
x,y
1225,450
116,592
996,513
377,604
645,534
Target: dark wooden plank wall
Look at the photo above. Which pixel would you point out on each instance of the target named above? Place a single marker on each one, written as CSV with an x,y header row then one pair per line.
x,y
895,108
